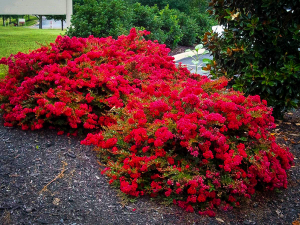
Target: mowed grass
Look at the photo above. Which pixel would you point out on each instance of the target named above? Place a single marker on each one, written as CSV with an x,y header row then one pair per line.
x,y
23,39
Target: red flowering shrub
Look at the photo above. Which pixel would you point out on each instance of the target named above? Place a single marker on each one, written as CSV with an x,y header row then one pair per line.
x,y
73,82
194,142
166,132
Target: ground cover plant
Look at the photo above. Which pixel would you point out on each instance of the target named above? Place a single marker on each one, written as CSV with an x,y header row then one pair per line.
x,y
159,129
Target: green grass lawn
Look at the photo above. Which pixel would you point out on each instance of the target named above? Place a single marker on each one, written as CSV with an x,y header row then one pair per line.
x,y
23,39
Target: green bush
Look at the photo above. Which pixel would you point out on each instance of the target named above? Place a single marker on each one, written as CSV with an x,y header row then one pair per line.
x,y
189,29
204,22
259,49
161,4
101,19
166,25
170,26
113,18
145,16
148,18
194,9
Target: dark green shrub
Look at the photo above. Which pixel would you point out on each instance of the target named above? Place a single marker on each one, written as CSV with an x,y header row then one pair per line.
x,y
148,18
194,9
181,5
113,18
101,19
145,16
204,22
170,27
259,48
189,29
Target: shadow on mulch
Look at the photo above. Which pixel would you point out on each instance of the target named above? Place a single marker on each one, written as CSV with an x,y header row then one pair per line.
x,y
51,179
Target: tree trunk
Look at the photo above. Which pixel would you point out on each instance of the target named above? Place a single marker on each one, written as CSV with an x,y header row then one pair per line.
x,y
3,20
41,22
9,20
62,24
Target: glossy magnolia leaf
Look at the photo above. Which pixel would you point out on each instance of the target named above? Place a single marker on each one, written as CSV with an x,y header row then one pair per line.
x,y
206,60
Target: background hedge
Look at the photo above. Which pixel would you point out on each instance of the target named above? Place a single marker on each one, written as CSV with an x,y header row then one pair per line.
x,y
170,22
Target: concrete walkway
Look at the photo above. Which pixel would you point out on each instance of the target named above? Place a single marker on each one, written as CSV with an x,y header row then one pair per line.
x,y
186,59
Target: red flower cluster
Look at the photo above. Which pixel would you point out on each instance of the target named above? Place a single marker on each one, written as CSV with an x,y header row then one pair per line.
x,y
73,82
210,146
167,132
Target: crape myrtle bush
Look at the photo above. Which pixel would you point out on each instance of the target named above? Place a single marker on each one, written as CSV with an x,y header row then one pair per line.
x,y
259,49
160,130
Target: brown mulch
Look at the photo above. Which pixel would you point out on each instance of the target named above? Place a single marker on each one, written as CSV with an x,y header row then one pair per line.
x,y
51,179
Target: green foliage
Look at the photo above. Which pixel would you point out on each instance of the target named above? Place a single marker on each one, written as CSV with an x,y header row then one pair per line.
x,y
113,18
189,28
181,5
195,12
259,49
204,22
170,27
101,19
146,16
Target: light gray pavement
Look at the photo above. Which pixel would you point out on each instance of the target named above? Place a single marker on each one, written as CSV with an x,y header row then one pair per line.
x,y
188,62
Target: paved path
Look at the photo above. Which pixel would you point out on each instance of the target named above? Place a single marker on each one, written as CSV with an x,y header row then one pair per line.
x,y
188,62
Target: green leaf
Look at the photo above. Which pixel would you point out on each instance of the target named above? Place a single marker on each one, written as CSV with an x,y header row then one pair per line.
x,y
195,62
198,47
243,139
206,60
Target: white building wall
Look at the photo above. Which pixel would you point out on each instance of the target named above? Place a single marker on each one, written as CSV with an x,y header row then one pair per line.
x,y
37,7
33,7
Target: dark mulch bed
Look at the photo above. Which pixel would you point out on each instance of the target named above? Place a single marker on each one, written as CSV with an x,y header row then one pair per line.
x,y
30,160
